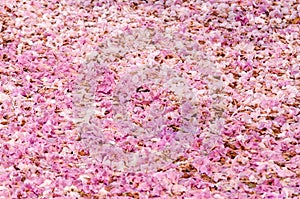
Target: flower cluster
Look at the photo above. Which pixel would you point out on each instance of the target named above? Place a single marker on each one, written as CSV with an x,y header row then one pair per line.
x,y
148,99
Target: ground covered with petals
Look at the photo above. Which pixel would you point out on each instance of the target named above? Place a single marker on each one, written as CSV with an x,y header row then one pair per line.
x,y
149,99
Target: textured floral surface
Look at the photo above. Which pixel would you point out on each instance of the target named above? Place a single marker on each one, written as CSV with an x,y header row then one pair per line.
x,y
149,99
